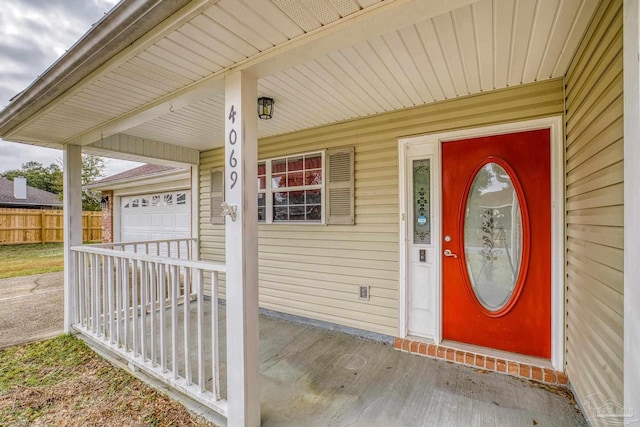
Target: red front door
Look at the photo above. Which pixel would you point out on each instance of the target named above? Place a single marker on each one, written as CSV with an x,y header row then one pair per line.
x,y
496,228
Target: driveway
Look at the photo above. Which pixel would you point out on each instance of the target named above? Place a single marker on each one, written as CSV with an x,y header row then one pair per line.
x,y
31,308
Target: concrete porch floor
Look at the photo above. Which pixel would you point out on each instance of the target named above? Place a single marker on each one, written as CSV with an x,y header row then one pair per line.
x,y
317,377
312,376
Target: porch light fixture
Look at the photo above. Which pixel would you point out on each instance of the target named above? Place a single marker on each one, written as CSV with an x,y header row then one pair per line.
x,y
104,201
265,108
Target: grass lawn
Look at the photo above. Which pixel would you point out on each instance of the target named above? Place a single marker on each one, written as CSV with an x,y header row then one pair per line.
x,y
24,260
62,382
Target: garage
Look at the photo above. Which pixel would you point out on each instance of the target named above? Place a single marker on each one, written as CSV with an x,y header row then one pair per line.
x,y
149,202
155,216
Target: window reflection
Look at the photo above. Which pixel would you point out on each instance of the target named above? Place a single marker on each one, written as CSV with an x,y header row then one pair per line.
x,y
493,236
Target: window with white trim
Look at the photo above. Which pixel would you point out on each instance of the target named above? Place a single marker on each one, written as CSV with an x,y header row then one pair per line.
x,y
291,189
310,188
262,191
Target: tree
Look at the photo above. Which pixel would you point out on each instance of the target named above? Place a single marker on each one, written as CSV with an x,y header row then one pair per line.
x,y
92,169
39,176
50,178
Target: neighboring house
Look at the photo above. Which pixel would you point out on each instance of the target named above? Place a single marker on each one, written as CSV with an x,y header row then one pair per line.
x,y
17,194
149,202
350,205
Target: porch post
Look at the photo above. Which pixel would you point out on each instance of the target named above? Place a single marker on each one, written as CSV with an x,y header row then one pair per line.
x,y
631,77
195,210
72,234
241,145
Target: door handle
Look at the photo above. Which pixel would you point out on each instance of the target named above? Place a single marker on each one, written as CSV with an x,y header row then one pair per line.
x,y
447,252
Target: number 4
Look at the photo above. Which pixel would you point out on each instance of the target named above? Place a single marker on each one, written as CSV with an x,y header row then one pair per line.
x,y
232,114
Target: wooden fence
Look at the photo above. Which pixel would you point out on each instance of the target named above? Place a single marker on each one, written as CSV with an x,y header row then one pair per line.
x,y
43,226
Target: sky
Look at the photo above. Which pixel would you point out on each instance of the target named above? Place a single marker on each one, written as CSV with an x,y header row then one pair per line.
x,y
33,34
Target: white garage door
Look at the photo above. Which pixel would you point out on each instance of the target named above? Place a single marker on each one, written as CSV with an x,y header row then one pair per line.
x,y
156,216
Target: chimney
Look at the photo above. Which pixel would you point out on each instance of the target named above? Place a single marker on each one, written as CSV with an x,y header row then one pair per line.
x,y
20,187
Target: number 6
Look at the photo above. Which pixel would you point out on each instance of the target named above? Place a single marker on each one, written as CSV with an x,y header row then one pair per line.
x,y
233,162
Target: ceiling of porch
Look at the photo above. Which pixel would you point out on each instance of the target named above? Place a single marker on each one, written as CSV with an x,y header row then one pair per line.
x,y
169,87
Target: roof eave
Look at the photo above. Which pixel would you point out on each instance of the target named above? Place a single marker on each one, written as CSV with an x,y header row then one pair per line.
x,y
58,205
124,24
129,182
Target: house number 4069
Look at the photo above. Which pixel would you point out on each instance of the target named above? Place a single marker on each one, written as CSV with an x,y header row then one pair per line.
x,y
233,138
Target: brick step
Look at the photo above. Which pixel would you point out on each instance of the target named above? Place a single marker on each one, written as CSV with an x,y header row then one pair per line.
x,y
481,361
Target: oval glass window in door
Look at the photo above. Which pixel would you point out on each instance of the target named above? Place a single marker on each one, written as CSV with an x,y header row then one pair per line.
x,y
493,236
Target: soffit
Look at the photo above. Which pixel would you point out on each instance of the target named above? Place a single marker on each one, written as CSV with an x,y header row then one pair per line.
x,y
227,32
487,45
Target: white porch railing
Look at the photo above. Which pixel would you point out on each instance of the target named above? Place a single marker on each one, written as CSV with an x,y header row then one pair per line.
x,y
182,248
153,312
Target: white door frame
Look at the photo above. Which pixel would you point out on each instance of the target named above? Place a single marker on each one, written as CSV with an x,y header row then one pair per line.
x,y
631,28
554,124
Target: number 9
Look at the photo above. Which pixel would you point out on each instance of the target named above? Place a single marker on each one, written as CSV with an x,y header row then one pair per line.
x,y
234,179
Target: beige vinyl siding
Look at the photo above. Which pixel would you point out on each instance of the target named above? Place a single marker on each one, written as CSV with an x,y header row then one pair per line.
x,y
132,147
314,270
594,159
212,241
